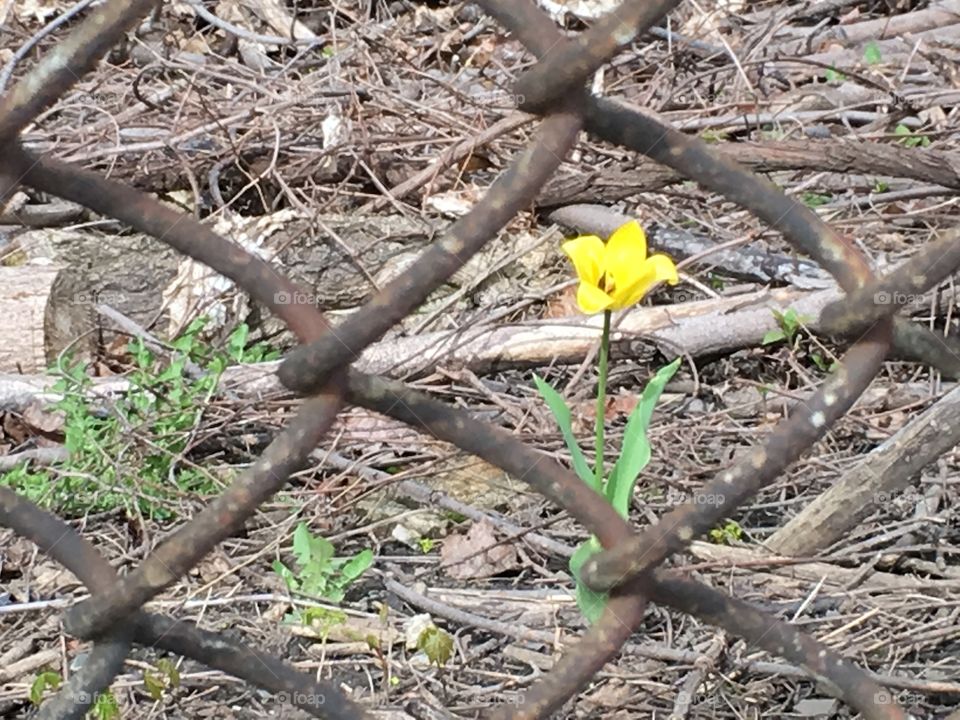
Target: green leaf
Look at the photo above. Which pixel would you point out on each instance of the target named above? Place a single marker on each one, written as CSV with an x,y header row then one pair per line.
x,y
153,684
591,603
562,415
170,670
44,680
106,707
286,575
436,645
358,565
238,341
871,53
635,452
833,75
772,336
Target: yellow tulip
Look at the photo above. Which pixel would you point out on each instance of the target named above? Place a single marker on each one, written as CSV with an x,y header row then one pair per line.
x,y
618,273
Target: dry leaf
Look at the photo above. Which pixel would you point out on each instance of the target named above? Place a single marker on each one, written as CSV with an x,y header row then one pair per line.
x,y
477,554
562,304
42,420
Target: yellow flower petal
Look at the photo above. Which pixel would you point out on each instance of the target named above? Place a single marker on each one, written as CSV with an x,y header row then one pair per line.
x,y
591,299
664,269
624,260
657,268
628,242
586,252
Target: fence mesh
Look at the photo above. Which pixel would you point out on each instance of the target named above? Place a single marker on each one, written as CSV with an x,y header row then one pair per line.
x,y
320,368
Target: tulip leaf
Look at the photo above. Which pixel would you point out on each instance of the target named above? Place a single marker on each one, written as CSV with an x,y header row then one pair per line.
x,y
635,452
561,414
591,603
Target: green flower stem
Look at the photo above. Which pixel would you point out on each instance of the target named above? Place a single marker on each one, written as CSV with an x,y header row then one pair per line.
x,y
601,400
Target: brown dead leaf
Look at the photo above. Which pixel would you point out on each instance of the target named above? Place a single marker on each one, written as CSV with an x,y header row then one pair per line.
x,y
15,429
43,421
16,553
562,304
621,404
476,554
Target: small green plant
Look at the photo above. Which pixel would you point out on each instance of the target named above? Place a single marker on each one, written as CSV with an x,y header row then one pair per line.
x,y
728,534
790,323
872,54
618,486
823,364
323,620
105,707
910,139
436,645
879,186
772,132
813,200
834,76
165,677
46,680
318,573
714,136
426,545
131,454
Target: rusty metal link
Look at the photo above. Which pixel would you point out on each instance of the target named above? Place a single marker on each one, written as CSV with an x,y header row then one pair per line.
x,y
287,454
307,367
65,545
67,62
883,296
625,609
800,226
693,158
112,617
791,438
781,638
567,64
62,543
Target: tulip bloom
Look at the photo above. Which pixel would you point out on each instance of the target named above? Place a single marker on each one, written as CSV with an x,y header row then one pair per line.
x,y
616,274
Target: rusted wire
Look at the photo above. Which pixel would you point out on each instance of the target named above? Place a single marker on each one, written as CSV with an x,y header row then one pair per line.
x,y
883,296
62,543
845,679
791,438
112,616
625,609
693,158
66,62
567,64
307,367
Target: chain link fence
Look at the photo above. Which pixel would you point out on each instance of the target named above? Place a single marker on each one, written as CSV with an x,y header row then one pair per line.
x,y
320,369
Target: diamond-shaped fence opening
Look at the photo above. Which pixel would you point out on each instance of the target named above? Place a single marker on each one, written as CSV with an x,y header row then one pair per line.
x,y
320,369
